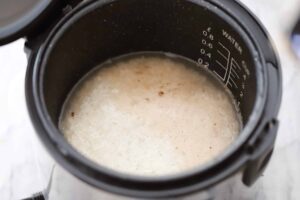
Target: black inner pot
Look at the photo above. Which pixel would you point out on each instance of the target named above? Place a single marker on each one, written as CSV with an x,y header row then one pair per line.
x,y
101,30
123,27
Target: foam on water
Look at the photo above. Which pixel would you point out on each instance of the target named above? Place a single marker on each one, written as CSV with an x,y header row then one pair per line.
x,y
150,115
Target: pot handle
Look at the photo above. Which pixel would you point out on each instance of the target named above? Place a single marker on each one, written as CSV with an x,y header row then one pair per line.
x,y
260,153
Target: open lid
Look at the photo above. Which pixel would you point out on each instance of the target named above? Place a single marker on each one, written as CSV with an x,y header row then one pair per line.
x,y
19,17
295,38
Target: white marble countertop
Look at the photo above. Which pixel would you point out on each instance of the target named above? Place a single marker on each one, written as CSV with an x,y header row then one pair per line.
x,y
281,181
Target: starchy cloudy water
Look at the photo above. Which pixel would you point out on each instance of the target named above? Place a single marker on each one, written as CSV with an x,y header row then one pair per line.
x,y
150,115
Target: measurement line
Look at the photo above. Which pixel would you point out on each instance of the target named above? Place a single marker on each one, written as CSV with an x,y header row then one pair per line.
x,y
228,67
219,76
221,65
235,64
232,81
223,46
228,52
235,73
221,54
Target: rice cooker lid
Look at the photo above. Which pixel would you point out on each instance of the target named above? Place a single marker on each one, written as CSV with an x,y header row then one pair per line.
x,y
20,18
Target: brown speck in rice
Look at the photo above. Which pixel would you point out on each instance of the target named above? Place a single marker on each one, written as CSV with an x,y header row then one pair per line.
x,y
161,93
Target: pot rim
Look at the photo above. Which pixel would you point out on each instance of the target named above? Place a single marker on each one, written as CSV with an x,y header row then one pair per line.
x,y
199,178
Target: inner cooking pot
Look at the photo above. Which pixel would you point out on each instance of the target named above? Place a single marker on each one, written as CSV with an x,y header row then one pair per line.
x,y
122,27
103,30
